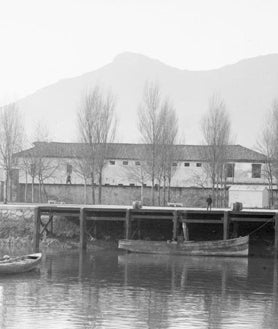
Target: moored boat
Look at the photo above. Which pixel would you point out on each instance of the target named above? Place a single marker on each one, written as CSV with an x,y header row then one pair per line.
x,y
20,264
230,247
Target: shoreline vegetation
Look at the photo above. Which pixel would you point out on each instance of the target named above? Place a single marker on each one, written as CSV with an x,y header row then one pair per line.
x,y
15,244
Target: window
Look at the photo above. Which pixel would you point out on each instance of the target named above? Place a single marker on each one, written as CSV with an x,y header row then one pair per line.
x,y
112,162
256,170
137,163
198,164
174,164
69,168
125,163
230,170
186,164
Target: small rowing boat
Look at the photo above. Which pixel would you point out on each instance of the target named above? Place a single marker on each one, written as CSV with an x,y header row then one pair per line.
x,y
20,264
231,247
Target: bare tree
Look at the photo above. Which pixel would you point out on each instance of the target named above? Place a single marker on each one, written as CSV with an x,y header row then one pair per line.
x,y
150,127
167,154
267,144
11,139
36,165
91,105
158,126
105,132
216,128
82,167
97,127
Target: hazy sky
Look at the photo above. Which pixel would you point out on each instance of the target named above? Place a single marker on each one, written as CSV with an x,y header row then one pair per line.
x,y
45,41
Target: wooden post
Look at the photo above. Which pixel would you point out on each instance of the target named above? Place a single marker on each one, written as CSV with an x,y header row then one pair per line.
x,y
276,232
175,225
235,230
95,229
127,224
83,240
37,226
81,261
185,231
226,225
139,228
51,224
185,228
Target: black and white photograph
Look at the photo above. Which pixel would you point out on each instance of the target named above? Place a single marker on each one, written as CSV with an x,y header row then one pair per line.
x,y
138,164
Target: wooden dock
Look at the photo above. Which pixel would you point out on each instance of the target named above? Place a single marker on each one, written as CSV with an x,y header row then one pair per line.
x,y
128,214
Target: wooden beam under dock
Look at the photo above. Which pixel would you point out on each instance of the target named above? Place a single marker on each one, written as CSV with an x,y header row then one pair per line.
x,y
127,214
127,224
276,232
37,224
175,225
226,226
83,237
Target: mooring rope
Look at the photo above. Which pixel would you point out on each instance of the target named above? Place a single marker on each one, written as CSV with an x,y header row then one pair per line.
x,y
258,228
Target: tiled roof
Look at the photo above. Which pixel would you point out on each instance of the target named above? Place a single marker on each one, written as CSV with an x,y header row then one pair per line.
x,y
236,153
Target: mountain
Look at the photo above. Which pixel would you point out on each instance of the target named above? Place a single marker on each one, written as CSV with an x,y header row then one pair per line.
x,y
248,88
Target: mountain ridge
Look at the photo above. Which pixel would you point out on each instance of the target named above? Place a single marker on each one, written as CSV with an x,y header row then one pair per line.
x,y
248,88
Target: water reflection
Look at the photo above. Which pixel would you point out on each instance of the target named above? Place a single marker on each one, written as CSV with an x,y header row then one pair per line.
x,y
111,290
182,269
204,285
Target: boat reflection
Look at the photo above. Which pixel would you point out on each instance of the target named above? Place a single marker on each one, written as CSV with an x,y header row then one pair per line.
x,y
183,271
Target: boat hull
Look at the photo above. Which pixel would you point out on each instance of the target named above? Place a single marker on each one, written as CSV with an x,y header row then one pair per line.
x,y
238,247
20,264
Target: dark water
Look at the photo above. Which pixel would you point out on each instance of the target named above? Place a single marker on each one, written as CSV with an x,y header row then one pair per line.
x,y
115,290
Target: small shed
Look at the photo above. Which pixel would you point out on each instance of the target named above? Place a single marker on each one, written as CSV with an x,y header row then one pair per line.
x,y
251,196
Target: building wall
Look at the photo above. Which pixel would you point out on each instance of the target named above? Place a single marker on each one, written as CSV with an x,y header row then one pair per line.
x,y
186,173
249,198
117,195
243,174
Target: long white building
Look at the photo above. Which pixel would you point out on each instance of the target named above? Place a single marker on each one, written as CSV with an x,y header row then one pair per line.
x,y
124,162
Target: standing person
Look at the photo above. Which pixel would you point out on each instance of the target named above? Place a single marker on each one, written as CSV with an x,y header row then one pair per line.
x,y
209,202
68,181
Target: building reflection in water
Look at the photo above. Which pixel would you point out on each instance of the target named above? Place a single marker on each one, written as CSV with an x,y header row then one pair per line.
x,y
110,289
213,289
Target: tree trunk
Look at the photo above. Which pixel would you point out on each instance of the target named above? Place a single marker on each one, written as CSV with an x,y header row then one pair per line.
x,y
164,191
33,178
152,191
100,187
159,193
169,189
213,190
40,191
26,185
93,189
85,192
44,191
6,189
271,199
142,193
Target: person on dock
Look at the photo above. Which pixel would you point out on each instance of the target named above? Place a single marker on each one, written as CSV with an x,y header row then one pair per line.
x,y
68,181
209,202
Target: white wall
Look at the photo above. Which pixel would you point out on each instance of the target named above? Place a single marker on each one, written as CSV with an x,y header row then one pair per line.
x,y
184,176
249,198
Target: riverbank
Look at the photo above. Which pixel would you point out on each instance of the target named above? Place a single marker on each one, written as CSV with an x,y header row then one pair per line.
x,y
17,225
52,245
